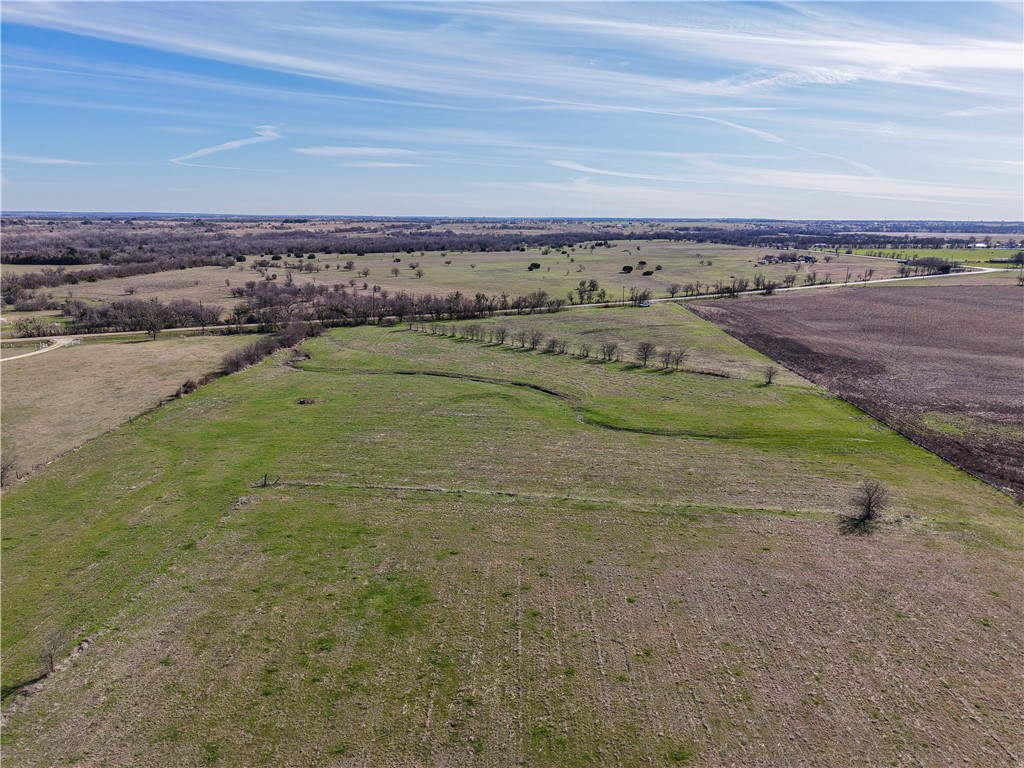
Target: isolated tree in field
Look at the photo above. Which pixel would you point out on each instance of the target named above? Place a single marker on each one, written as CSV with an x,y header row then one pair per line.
x,y
394,271
869,501
644,352
770,372
419,272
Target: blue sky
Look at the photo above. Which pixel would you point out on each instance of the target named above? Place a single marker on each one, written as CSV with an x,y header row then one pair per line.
x,y
671,109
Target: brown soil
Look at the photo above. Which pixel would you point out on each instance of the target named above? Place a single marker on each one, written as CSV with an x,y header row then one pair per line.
x,y
942,364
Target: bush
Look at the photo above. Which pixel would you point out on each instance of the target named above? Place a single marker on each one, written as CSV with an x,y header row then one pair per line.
x,y
251,354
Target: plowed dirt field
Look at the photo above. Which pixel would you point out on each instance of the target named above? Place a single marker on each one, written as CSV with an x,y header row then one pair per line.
x,y
942,364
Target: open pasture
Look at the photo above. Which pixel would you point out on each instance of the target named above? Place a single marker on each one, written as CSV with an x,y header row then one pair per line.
x,y
943,363
467,554
980,256
58,400
492,273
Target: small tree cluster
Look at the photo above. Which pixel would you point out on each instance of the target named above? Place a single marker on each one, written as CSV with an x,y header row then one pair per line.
x,y
251,354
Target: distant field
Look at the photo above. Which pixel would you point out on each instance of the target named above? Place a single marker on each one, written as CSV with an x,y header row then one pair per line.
x,y
20,269
963,255
57,401
492,272
943,362
473,555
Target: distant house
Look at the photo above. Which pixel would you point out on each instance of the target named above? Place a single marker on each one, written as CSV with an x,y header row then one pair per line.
x,y
980,245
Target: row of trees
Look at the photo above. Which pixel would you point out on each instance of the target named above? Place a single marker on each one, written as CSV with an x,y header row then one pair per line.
x,y
271,305
19,289
643,353
139,315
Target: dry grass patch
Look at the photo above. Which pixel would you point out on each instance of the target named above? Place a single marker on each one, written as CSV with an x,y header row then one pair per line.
x,y
56,401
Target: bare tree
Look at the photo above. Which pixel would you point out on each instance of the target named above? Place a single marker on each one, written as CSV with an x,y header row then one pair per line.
x,y
609,349
585,350
536,337
644,352
419,272
770,371
500,334
673,289
666,357
519,337
869,501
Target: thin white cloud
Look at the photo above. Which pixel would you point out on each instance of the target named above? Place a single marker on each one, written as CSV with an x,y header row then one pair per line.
x,y
381,165
351,151
263,133
36,160
983,111
569,165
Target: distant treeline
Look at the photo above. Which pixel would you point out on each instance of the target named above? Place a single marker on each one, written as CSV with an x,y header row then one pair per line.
x,y
271,306
115,242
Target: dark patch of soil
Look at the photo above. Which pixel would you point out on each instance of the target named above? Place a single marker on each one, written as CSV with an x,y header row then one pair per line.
x,y
944,365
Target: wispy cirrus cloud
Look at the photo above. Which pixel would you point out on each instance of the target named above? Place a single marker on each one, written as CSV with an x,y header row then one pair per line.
x,y
331,151
263,133
820,101
37,160
381,165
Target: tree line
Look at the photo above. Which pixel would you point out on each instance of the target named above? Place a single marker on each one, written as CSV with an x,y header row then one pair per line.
x,y
642,353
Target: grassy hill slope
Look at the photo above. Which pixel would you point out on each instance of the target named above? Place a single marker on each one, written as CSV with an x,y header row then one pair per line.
x,y
468,555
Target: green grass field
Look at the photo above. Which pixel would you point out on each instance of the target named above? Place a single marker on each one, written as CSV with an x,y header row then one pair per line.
x,y
977,256
473,555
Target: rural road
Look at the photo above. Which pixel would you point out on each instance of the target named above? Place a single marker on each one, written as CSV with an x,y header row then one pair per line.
x,y
851,284
58,341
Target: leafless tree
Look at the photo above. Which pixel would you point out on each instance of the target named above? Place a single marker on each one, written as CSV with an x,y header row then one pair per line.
x,y
673,289
419,272
585,350
644,352
609,349
536,337
500,334
770,372
869,501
